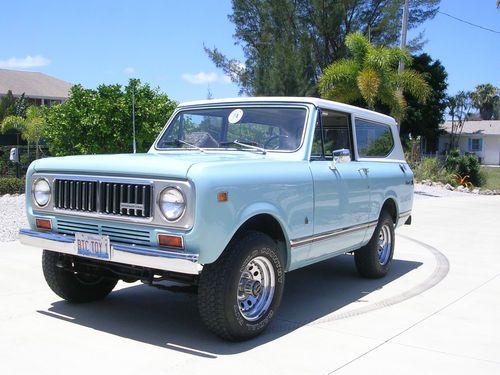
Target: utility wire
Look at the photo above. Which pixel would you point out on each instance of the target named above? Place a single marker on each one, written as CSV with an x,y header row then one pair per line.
x,y
469,23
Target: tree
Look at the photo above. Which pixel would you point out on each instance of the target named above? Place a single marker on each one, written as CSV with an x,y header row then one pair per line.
x,y
485,98
34,127
424,119
100,120
370,78
459,107
288,43
7,105
31,128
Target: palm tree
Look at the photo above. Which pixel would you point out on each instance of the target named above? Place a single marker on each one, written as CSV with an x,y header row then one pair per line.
x,y
31,128
371,78
485,98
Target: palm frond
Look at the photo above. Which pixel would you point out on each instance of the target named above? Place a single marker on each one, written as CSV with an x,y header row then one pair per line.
x,y
412,82
368,82
342,71
358,45
12,122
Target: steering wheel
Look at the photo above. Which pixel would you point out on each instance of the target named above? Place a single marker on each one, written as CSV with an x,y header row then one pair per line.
x,y
272,138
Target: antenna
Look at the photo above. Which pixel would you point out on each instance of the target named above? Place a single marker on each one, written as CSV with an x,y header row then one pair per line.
x,y
133,118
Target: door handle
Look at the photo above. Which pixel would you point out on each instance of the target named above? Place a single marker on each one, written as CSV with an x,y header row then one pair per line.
x,y
364,170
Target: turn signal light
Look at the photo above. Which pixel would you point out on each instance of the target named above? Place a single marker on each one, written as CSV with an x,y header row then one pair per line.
x,y
167,240
45,224
222,196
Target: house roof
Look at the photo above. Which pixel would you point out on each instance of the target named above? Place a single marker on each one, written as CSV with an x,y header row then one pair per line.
x,y
483,127
33,84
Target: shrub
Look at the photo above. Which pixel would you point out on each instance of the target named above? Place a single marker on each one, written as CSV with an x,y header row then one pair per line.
x,y
432,169
466,166
11,185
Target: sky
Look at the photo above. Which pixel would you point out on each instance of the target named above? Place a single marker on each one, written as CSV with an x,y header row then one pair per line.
x,y
161,43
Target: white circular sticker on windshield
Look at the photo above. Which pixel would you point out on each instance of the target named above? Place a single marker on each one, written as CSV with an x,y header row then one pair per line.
x,y
235,116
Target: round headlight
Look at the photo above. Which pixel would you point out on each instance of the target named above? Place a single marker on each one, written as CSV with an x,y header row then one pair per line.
x,y
172,203
41,192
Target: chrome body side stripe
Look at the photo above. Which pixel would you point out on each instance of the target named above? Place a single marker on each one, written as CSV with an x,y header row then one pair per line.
x,y
334,233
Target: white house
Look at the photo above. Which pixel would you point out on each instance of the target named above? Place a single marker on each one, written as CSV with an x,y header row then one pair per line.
x,y
478,137
39,88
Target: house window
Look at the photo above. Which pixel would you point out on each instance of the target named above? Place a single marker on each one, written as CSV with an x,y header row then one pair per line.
x,y
475,144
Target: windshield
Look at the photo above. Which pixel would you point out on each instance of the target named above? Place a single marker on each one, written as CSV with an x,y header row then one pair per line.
x,y
250,128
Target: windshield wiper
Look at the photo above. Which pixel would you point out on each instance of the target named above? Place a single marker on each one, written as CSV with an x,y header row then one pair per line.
x,y
244,144
178,142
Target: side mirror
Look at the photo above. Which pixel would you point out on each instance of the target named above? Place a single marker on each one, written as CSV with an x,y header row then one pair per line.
x,y
14,155
340,156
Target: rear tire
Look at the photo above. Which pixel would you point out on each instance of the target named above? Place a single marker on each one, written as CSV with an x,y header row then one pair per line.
x,y
375,258
71,286
239,294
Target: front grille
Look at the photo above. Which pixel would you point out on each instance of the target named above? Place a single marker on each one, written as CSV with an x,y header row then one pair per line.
x,y
125,199
76,195
116,234
110,198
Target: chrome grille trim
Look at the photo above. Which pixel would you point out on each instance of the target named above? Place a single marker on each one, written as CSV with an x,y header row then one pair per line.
x,y
94,199
80,195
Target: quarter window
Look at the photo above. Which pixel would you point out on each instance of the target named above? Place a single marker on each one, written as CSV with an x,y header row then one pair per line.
x,y
373,140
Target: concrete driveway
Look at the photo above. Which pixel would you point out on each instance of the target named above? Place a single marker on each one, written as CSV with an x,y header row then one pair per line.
x,y
438,312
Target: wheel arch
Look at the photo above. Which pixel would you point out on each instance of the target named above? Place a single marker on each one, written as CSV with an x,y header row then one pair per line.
x,y
391,207
267,224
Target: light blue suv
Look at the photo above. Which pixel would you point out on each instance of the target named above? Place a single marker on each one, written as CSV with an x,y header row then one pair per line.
x,y
232,195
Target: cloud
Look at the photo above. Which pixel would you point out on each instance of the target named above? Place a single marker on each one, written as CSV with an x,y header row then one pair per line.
x,y
24,62
200,78
204,78
128,71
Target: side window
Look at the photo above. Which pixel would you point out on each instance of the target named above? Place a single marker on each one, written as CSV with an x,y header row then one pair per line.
x,y
335,134
372,139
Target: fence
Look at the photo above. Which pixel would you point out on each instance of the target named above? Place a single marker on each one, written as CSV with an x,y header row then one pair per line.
x,y
26,156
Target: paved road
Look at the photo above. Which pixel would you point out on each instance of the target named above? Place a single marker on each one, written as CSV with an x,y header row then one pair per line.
x,y
438,312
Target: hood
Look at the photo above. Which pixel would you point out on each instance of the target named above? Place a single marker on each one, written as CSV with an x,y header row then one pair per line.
x,y
171,164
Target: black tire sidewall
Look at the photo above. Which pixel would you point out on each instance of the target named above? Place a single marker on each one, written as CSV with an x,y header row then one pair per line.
x,y
218,289
68,286
260,245
366,258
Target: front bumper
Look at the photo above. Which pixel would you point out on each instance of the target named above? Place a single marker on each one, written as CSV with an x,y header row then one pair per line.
x,y
120,253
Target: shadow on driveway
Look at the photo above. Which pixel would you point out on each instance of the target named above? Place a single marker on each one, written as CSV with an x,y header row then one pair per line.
x,y
171,321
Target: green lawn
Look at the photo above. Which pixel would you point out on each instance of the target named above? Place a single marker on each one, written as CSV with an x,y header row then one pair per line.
x,y
493,181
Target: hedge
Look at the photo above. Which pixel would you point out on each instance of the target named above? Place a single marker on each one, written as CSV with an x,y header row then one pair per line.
x,y
11,185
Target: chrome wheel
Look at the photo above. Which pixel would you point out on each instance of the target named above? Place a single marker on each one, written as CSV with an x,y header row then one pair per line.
x,y
256,288
384,244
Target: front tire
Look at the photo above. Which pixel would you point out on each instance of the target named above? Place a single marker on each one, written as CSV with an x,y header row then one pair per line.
x,y
71,286
239,294
375,258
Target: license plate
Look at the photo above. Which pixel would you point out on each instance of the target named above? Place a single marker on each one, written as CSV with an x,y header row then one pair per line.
x,y
92,245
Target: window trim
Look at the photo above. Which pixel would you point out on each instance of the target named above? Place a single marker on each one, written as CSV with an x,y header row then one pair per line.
x,y
235,105
471,148
319,112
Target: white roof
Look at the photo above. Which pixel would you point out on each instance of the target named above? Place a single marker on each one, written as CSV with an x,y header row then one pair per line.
x,y
360,112
33,84
482,127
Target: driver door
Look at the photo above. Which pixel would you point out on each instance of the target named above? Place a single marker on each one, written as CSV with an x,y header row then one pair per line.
x,y
341,191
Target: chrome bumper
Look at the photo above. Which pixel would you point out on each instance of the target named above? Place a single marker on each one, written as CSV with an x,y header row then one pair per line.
x,y
120,253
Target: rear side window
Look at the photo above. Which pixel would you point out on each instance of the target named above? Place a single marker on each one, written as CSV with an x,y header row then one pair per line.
x,y
372,139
